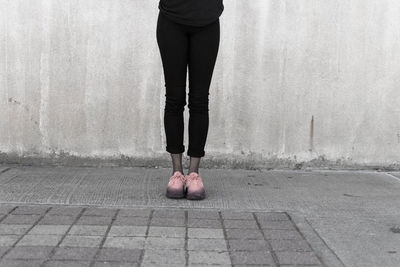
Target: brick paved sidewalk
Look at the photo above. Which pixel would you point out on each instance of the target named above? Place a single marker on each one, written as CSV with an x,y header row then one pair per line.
x,y
45,235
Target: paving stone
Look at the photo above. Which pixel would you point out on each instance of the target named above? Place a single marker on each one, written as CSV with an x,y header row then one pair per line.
x,y
93,230
119,254
251,257
49,230
271,216
244,234
5,209
115,264
66,263
29,252
39,240
289,245
94,220
237,215
21,263
17,229
281,234
164,256
277,225
127,230
241,224
206,244
21,219
204,223
169,213
131,220
164,243
209,257
74,253
134,213
291,257
158,221
205,233
72,211
100,212
167,231
200,214
57,219
8,240
30,210
130,242
247,244
81,241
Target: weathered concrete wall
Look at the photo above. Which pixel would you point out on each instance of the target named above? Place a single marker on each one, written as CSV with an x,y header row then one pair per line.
x,y
295,81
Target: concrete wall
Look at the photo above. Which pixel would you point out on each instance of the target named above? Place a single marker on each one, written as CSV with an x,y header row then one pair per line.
x,y
295,81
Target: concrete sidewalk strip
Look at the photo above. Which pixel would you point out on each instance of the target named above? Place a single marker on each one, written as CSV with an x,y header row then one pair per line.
x,y
94,238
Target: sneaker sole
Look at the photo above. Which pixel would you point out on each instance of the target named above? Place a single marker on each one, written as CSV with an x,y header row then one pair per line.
x,y
174,195
195,196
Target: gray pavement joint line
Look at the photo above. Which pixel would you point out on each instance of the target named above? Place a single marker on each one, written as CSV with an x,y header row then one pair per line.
x,y
274,256
145,237
93,261
63,237
9,212
30,228
305,239
186,238
225,236
5,216
338,260
393,176
6,169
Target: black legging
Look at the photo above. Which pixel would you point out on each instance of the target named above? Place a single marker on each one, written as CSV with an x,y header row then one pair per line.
x,y
182,46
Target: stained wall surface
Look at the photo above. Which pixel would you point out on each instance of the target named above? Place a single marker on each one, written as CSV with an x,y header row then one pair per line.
x,y
294,79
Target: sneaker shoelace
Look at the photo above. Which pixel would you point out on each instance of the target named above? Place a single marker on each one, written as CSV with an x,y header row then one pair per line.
x,y
177,177
194,178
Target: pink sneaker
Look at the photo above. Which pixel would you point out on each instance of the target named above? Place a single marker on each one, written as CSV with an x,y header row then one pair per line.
x,y
176,184
194,186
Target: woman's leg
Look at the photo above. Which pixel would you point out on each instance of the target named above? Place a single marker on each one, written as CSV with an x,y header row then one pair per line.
x,y
203,50
173,44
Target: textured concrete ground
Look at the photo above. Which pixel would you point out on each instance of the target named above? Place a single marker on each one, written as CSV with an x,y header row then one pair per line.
x,y
120,217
